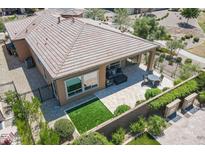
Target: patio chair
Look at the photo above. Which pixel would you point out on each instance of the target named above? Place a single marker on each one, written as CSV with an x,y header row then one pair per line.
x,y
145,78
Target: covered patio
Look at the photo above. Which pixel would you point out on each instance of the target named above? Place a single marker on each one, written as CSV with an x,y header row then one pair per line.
x,y
132,90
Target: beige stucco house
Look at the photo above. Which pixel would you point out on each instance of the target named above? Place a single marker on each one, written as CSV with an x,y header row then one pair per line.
x,y
73,53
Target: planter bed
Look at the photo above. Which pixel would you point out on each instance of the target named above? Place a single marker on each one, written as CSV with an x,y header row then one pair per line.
x,y
144,139
89,115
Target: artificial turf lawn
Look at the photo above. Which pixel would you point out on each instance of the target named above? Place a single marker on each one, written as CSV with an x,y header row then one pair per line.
x,y
89,115
145,139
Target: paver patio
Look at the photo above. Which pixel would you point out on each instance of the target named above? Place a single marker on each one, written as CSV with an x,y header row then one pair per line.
x,y
186,131
131,91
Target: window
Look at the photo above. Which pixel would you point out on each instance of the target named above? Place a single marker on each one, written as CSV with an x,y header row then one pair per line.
x,y
90,80
81,84
74,86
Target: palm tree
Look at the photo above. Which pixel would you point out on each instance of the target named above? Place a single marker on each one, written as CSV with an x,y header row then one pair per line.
x,y
121,17
189,13
95,14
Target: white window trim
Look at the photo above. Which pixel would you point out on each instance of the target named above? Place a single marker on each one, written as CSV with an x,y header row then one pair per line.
x,y
83,88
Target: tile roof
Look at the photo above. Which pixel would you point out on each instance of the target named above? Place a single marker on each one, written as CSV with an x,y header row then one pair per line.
x,y
77,44
15,28
73,46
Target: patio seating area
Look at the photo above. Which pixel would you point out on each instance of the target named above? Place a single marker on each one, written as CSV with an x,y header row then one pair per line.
x,y
133,89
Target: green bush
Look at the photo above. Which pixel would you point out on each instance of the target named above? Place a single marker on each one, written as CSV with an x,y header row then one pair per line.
x,y
118,136
183,38
188,61
161,58
139,126
165,88
163,50
1,26
200,80
180,92
121,109
196,39
169,57
177,81
64,129
152,93
201,97
48,136
188,36
94,138
156,125
179,60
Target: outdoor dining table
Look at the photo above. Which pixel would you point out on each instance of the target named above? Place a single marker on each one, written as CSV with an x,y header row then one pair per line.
x,y
153,78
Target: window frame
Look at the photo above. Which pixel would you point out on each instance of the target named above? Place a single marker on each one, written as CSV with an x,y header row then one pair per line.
x,y
82,84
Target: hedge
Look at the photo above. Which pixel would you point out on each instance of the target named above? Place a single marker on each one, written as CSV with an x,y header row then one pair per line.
x,y
180,92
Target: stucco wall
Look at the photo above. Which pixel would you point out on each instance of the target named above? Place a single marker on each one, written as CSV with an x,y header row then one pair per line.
x,y
61,91
22,49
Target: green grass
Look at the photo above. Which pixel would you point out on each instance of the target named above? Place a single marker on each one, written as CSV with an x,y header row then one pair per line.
x,y
89,115
145,139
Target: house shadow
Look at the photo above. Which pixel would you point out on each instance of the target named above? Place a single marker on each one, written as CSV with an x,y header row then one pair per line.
x,y
186,25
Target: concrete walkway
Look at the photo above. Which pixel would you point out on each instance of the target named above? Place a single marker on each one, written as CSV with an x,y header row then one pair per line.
x,y
186,131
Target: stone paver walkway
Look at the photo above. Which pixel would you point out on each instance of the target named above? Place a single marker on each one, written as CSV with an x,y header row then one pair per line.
x,y
129,92
186,131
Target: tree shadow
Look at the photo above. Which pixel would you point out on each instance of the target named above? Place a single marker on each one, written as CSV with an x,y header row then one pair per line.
x,y
185,25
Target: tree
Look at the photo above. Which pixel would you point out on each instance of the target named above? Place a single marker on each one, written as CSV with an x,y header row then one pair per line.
x,y
121,18
156,125
95,14
139,126
173,45
148,28
118,136
48,136
187,70
189,13
64,128
94,138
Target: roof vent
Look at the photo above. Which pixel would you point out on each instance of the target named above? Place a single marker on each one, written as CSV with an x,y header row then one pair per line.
x,y
73,20
59,20
34,24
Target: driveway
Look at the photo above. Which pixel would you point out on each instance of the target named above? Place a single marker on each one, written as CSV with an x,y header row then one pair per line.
x,y
186,131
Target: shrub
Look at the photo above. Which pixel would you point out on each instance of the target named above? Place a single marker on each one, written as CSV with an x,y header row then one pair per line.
x,y
121,109
200,80
165,88
94,138
201,97
156,125
177,81
188,36
188,61
179,60
163,50
161,58
180,92
48,136
183,38
118,136
196,39
169,57
171,62
1,26
152,92
64,129
139,126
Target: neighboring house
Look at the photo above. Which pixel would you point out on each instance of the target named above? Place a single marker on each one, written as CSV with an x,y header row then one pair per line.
x,y
73,53
12,11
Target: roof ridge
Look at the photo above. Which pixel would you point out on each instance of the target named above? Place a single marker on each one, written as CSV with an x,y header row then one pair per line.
x,y
37,17
72,45
118,32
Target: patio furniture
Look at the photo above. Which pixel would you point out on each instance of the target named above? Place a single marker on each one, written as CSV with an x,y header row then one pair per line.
x,y
120,79
145,78
153,78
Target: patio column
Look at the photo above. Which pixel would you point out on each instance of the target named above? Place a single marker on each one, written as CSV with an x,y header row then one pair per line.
x,y
151,60
138,59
